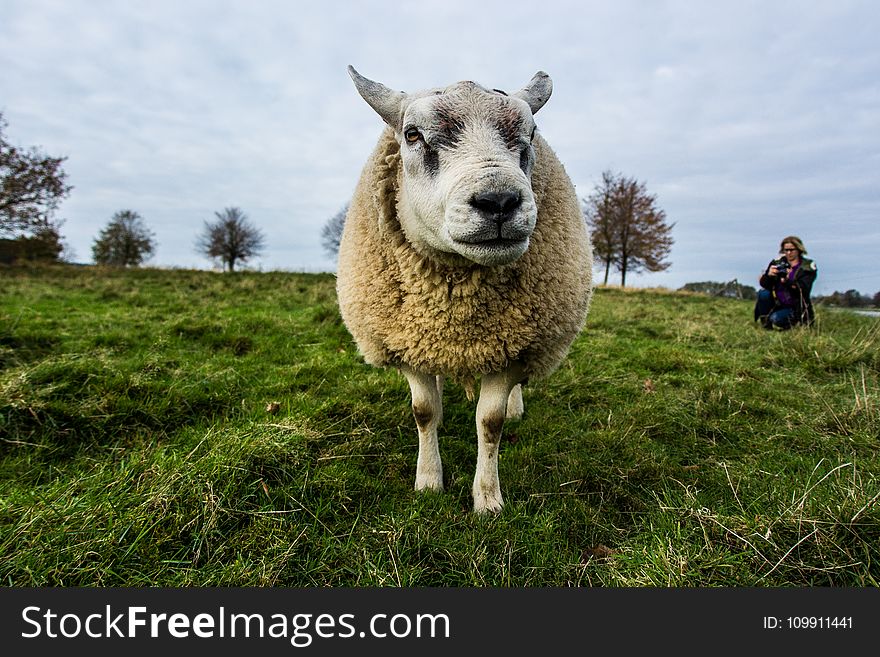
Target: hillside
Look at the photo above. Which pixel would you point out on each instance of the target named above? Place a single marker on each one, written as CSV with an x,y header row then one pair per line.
x,y
678,445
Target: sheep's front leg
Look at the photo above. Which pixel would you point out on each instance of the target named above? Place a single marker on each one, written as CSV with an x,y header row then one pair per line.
x,y
495,391
427,406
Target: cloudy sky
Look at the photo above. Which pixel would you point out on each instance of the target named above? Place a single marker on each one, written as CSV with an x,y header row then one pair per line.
x,y
749,121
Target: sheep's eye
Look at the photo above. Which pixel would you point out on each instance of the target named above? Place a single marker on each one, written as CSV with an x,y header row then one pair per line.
x,y
532,136
412,135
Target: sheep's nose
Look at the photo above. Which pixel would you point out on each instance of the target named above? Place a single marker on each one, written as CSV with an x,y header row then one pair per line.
x,y
498,206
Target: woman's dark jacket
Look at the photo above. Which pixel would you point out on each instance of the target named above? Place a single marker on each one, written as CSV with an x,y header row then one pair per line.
x,y
798,289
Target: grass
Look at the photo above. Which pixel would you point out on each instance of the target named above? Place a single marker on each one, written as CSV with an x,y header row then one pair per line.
x,y
678,445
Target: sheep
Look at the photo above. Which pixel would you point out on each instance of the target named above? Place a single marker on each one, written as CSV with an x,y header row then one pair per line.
x,y
464,256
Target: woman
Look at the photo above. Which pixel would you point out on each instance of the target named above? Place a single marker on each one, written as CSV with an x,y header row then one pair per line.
x,y
784,299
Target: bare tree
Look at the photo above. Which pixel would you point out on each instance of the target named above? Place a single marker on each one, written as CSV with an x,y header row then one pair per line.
x,y
331,233
125,242
629,231
231,238
598,210
32,185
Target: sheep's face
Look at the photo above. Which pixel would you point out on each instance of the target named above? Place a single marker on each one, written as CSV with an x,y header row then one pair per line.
x,y
467,161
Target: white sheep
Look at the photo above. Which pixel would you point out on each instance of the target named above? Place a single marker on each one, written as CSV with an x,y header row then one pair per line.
x,y
464,255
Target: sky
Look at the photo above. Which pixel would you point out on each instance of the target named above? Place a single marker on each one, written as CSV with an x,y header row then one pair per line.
x,y
749,121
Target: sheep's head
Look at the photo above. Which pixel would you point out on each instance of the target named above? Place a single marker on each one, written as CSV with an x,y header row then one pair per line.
x,y
467,163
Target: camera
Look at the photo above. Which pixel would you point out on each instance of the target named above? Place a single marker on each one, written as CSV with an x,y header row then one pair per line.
x,y
782,267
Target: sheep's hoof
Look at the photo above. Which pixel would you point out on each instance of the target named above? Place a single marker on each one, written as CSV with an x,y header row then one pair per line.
x,y
429,483
488,504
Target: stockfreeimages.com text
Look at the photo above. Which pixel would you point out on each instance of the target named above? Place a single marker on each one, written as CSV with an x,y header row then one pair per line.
x,y
300,629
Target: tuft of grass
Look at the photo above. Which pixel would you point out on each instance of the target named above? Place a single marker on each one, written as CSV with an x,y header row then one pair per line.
x,y
677,445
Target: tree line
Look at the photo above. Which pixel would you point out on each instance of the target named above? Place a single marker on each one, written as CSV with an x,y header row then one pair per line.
x,y
33,184
230,239
850,299
736,290
629,230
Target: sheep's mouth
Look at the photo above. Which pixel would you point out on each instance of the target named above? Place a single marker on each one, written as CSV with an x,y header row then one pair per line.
x,y
494,243
494,251
489,240
506,236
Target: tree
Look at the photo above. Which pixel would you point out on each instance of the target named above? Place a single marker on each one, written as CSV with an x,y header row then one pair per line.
x,y
231,238
125,242
598,210
32,185
331,233
876,300
628,230
853,299
44,244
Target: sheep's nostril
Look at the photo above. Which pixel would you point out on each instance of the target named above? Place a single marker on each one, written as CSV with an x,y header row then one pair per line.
x,y
499,205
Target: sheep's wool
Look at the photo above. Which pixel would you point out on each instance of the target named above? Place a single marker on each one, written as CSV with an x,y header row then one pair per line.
x,y
454,317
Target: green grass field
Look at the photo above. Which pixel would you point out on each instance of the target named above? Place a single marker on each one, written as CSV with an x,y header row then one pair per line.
x,y
678,445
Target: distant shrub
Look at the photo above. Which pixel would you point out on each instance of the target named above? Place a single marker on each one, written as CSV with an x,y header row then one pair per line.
x,y
732,289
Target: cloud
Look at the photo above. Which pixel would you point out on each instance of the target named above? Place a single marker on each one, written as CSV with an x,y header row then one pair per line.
x,y
749,120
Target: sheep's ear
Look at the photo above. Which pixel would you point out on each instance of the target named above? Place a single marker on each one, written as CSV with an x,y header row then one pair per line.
x,y
385,101
537,92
